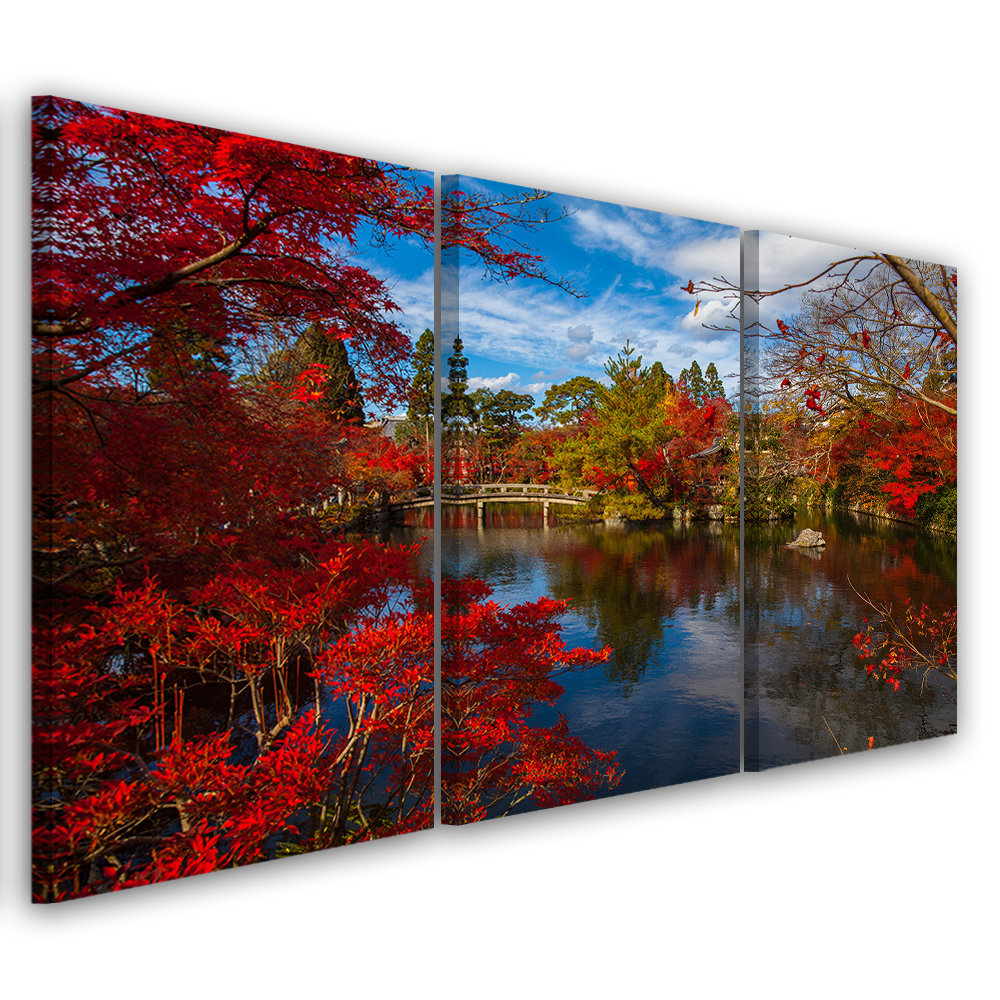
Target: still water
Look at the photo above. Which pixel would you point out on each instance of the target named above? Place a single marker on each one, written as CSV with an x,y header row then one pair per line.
x,y
665,599
803,609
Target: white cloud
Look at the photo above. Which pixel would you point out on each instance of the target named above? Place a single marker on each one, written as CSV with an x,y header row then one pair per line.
x,y
531,326
508,381
789,260
714,312
705,258
581,337
617,232
668,243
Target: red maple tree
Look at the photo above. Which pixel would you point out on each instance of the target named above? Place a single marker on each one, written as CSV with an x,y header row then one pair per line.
x,y
501,662
220,676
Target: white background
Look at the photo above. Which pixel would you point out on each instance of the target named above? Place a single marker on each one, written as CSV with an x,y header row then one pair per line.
x,y
874,875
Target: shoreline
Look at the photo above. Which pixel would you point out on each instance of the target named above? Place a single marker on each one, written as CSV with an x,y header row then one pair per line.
x,y
885,516
882,515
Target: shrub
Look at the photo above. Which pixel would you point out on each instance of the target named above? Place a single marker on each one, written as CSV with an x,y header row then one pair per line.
x,y
940,509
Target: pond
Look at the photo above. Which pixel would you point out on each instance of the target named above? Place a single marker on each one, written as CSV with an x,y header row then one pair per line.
x,y
803,608
665,597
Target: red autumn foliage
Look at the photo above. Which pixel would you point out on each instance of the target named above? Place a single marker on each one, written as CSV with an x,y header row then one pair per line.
x,y
140,792
920,642
662,462
912,443
219,677
693,428
500,662
160,719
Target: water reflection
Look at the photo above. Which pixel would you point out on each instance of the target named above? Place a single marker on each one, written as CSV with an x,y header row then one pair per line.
x,y
665,598
801,616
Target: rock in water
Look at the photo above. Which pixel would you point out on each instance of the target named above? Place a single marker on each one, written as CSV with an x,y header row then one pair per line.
x,y
809,539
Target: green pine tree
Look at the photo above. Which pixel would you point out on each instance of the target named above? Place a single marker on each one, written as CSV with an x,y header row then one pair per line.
x,y
565,403
626,427
714,386
420,411
659,376
456,406
341,397
694,382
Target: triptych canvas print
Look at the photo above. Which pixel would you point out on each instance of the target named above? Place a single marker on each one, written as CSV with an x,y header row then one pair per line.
x,y
693,488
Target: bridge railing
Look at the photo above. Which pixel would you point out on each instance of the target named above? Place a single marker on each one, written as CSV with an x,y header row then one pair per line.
x,y
522,489
483,492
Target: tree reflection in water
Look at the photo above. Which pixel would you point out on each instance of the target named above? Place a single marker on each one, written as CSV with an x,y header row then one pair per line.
x,y
665,598
802,614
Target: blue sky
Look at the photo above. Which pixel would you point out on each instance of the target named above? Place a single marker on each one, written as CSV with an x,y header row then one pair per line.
x,y
405,265
526,335
631,263
788,260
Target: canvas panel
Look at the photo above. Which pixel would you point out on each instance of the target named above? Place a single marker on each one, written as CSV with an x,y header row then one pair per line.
x,y
234,649
590,502
851,382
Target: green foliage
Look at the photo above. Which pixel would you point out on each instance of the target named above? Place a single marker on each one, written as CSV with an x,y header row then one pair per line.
x,y
564,404
839,493
692,381
572,460
660,378
808,491
627,425
502,413
729,483
341,394
417,430
939,510
860,486
632,507
456,406
713,384
768,488
500,421
768,502
420,411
